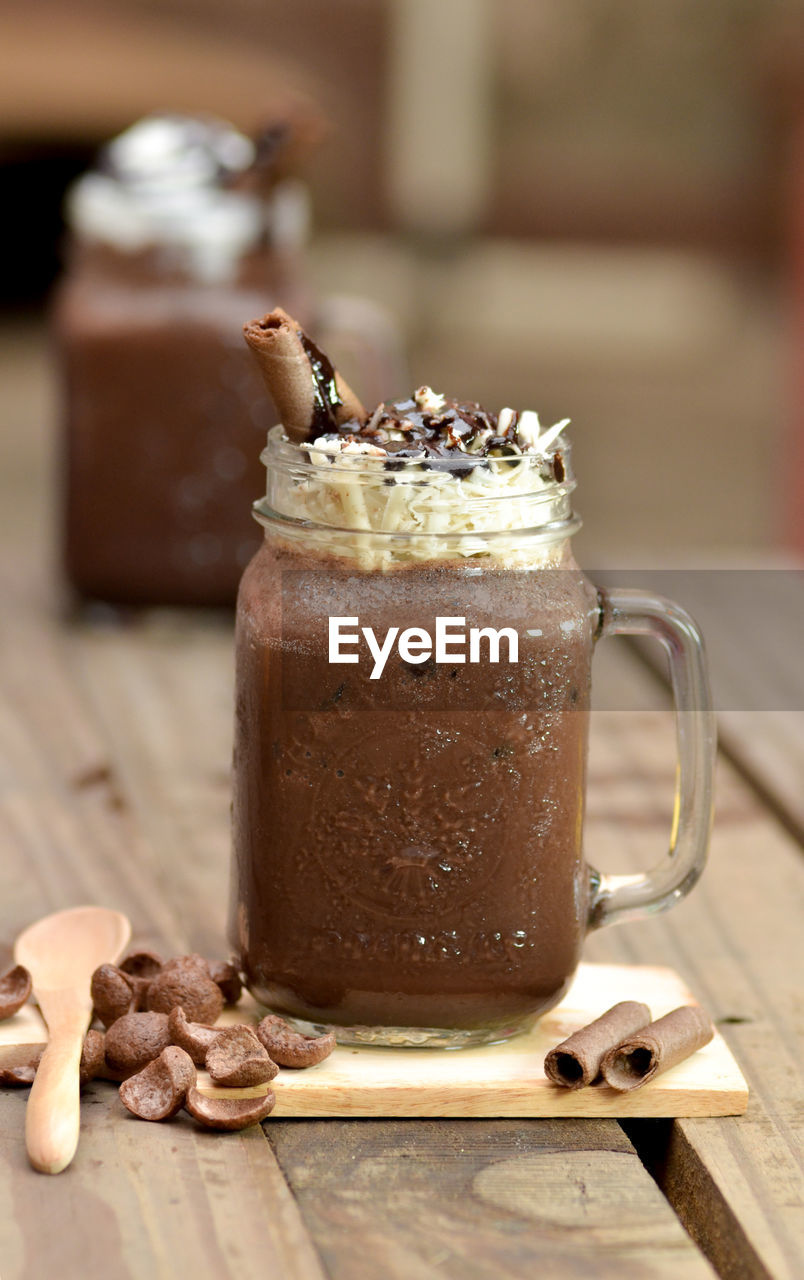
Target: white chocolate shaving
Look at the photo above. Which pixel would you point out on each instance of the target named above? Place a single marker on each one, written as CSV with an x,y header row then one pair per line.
x,y
454,512
428,400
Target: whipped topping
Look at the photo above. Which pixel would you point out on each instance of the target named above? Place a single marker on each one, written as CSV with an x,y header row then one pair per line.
x,y
165,181
175,152
457,477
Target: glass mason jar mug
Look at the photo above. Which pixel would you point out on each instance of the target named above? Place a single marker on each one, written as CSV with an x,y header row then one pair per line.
x,y
414,649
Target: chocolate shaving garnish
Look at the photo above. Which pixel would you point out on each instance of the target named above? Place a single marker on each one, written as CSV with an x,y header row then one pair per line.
x,y
290,1048
656,1048
310,395
15,988
228,1113
458,433
575,1062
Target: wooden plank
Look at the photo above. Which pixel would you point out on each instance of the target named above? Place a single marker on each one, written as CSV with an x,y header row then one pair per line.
x,y
162,691
477,1199
69,834
737,1184
146,1200
138,1200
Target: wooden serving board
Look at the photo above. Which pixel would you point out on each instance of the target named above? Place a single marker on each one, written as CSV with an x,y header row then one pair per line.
x,y
496,1080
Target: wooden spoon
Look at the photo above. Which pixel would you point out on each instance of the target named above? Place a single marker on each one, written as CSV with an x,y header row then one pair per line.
x,y
62,951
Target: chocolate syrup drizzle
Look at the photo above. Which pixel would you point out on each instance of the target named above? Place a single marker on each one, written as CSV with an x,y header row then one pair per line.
x,y
326,399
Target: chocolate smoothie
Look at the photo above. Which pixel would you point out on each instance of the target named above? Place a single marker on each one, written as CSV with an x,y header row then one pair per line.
x,y
408,848
165,417
408,812
186,226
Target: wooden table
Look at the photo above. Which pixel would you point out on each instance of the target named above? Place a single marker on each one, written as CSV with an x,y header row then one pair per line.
x,y
114,787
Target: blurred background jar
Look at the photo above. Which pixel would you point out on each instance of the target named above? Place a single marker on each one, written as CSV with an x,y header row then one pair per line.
x,y
184,230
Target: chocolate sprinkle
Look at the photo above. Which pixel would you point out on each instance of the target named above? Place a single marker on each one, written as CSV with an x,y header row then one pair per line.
x,y
455,434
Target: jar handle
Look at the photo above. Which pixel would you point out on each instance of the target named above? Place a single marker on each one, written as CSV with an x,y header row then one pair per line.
x,y
615,898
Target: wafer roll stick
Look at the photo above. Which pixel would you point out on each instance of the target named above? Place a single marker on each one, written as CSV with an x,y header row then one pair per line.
x,y
656,1048
311,397
576,1061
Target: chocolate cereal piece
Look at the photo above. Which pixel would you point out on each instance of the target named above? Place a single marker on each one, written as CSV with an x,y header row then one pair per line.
x,y
290,1048
15,988
656,1048
114,993
194,1037
142,964
159,1090
20,1062
136,1039
228,979
228,1113
20,1077
185,981
576,1061
93,1057
237,1060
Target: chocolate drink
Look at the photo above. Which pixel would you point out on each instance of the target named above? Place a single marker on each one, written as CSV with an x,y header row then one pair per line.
x,y
407,850
414,643
184,227
407,859
164,421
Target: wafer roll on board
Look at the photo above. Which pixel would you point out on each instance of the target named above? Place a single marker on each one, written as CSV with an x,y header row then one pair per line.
x,y
310,395
656,1048
575,1062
